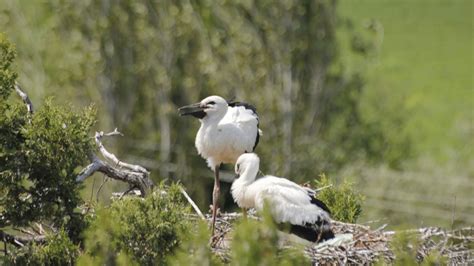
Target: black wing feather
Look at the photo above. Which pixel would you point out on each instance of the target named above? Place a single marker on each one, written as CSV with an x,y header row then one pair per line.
x,y
311,233
320,204
248,106
256,139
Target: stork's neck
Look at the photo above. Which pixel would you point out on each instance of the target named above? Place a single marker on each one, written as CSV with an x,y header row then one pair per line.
x,y
249,175
241,189
213,118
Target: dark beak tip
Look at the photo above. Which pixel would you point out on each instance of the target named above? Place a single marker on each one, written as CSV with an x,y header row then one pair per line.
x,y
194,110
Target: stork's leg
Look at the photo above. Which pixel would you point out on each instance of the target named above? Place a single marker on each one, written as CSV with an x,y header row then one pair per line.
x,y
215,198
244,213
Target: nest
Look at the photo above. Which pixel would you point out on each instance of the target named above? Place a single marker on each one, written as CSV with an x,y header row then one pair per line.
x,y
359,244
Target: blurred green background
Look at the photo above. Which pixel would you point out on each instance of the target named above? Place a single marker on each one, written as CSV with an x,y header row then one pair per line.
x,y
377,92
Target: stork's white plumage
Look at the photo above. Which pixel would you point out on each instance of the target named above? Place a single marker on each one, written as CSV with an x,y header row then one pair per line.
x,y
288,201
227,131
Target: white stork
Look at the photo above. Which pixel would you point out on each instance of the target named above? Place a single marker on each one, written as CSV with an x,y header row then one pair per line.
x,y
228,129
289,202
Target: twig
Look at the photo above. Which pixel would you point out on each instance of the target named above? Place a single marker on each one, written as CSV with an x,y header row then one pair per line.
x,y
51,227
110,156
126,192
195,207
138,179
104,180
322,188
20,241
453,214
381,227
113,133
135,175
24,97
87,173
24,231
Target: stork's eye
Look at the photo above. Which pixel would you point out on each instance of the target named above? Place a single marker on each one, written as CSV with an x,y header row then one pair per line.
x,y
211,102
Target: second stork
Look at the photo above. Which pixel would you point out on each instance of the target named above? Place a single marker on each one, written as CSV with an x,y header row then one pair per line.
x,y
228,129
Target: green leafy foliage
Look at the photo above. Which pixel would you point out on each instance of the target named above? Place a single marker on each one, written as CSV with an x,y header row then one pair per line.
x,y
101,239
39,161
144,231
39,157
257,243
7,76
57,250
405,247
194,249
344,202
434,259
253,243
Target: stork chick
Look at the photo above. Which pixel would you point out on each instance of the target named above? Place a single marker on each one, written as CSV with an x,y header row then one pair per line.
x,y
289,203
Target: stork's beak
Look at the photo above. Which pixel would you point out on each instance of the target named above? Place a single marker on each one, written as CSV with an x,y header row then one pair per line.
x,y
195,110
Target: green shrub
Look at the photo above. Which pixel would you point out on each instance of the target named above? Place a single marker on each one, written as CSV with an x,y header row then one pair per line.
x,y
195,249
256,243
57,250
39,159
405,247
343,201
39,155
7,76
141,230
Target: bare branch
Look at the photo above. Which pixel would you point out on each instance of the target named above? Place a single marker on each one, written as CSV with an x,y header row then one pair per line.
x,y
139,179
100,187
110,156
20,241
24,97
322,188
135,175
193,204
120,195
113,133
126,192
89,170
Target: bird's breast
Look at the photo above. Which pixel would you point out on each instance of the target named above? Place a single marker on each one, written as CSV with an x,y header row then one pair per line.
x,y
221,144
241,195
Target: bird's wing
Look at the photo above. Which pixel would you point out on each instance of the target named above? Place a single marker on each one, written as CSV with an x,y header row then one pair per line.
x,y
246,121
241,114
287,183
288,202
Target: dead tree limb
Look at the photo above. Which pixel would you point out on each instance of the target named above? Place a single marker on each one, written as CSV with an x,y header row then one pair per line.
x,y
110,156
135,175
20,241
24,97
193,204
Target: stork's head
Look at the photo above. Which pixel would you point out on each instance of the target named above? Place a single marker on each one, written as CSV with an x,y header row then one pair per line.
x,y
247,167
212,107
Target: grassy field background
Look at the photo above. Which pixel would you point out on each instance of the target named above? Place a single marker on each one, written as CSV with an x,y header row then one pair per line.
x,y
422,67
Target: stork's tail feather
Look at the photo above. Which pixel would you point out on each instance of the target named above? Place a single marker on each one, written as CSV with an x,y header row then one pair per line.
x,y
326,235
312,233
